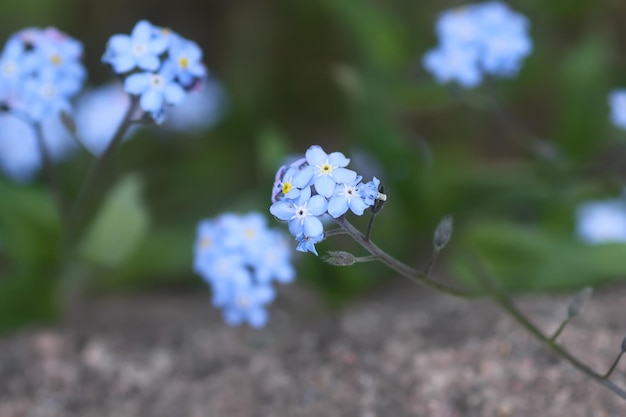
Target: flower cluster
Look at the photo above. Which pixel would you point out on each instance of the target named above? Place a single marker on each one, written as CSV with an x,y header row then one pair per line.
x,y
314,186
40,71
481,38
239,257
157,64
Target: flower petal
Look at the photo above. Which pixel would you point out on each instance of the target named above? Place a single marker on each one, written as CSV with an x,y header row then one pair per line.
x,y
343,175
317,205
315,155
325,186
337,206
313,226
282,210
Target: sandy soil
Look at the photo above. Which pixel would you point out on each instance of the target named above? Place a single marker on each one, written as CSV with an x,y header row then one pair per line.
x,y
400,352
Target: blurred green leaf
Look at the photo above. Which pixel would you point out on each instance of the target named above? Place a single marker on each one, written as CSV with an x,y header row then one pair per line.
x,y
27,298
120,226
527,259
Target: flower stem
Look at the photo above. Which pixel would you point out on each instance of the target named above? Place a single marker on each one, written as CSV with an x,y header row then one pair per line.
x,y
93,188
50,174
403,269
507,305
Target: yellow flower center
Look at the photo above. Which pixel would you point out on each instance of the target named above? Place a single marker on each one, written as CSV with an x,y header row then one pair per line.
x,y
286,187
326,169
56,59
183,62
206,243
249,233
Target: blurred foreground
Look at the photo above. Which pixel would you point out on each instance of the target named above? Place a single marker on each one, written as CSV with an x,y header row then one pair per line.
x,y
402,352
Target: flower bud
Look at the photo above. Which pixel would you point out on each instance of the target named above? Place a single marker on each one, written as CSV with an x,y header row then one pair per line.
x,y
339,258
442,233
578,302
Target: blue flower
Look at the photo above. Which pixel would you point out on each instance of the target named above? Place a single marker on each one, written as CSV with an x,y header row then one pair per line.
x,y
481,38
602,221
453,63
617,103
40,72
302,213
328,170
139,50
187,57
247,304
347,196
274,261
369,191
239,257
307,243
157,90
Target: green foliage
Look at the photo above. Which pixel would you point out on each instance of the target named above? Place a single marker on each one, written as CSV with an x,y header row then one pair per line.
x,y
119,227
529,259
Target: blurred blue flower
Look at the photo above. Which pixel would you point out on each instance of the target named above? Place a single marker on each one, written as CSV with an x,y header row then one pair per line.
x,y
156,90
617,104
20,158
99,112
157,64
454,63
239,257
200,110
41,72
480,38
602,221
139,50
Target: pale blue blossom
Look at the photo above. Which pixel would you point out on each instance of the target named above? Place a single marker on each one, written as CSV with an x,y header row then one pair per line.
x,y
477,39
139,50
302,213
156,90
617,104
347,196
187,57
602,221
239,257
328,170
307,243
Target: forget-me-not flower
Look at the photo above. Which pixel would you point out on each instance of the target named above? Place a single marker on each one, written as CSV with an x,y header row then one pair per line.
x,y
317,186
239,257
484,38
157,64
328,170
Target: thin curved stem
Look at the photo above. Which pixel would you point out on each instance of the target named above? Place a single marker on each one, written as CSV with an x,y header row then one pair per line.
x,y
50,174
92,187
507,305
403,269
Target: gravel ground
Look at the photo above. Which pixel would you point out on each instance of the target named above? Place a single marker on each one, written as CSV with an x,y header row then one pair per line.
x,y
401,352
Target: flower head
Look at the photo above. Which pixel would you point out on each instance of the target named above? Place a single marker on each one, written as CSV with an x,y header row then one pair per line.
x,y
239,257
602,221
157,64
480,38
317,186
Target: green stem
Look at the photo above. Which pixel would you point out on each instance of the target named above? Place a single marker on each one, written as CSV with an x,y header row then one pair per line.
x,y
507,305
50,174
403,269
93,188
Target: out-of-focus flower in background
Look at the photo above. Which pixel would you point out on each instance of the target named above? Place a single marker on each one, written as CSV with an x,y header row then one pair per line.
x,y
617,104
158,65
240,257
20,158
602,221
477,39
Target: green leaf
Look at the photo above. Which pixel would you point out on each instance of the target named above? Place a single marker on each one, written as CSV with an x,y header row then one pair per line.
x,y
527,259
120,226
